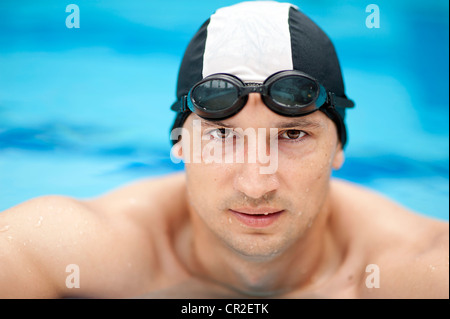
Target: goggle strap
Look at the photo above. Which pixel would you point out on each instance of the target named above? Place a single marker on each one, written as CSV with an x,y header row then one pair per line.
x,y
180,105
342,102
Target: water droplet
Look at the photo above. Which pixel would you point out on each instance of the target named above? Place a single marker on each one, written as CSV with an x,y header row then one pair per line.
x,y
230,220
5,228
432,267
39,222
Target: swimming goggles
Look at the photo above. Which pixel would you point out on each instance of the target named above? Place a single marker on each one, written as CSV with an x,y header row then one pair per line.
x,y
288,93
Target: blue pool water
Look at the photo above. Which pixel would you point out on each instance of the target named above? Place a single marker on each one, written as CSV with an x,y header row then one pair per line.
x,y
86,110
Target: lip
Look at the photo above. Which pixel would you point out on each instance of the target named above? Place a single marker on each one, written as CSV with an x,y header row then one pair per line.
x,y
256,211
257,217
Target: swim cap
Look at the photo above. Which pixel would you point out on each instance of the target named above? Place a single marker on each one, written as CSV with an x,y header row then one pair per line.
x,y
254,39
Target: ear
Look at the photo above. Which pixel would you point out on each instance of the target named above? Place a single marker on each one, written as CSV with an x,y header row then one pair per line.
x,y
177,150
339,158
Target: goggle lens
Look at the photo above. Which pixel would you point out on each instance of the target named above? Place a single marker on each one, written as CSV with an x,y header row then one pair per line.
x,y
215,95
294,91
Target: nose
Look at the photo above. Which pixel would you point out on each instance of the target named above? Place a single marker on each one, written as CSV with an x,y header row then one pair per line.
x,y
249,179
252,183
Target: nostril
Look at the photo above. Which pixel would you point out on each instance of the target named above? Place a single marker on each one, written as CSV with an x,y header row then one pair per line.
x,y
255,185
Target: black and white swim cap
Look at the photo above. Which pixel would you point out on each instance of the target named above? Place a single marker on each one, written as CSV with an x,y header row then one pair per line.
x,y
254,39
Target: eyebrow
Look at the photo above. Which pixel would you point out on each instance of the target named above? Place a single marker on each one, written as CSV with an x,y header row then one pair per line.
x,y
215,123
299,122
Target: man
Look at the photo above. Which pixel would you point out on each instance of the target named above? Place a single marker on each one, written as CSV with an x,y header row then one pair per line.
x,y
257,78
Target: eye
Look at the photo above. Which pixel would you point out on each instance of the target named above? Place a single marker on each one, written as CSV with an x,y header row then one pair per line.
x,y
293,135
221,133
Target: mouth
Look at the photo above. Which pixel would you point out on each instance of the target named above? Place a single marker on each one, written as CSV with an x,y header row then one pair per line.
x,y
258,218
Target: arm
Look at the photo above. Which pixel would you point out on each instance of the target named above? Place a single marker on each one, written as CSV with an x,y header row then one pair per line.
x,y
41,237
108,237
410,250
427,275
35,244
416,271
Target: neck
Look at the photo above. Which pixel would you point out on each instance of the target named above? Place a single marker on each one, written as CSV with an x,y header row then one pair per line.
x,y
306,262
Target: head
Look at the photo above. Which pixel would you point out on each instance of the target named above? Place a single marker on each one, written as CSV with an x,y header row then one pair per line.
x,y
252,41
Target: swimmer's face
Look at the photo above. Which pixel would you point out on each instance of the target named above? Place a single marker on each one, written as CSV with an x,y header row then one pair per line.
x,y
308,150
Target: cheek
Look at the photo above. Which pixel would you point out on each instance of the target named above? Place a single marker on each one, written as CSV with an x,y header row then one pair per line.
x,y
306,177
198,180
208,188
307,164
204,185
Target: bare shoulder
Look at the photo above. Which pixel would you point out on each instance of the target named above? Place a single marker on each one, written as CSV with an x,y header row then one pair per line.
x,y
38,241
106,237
145,196
410,250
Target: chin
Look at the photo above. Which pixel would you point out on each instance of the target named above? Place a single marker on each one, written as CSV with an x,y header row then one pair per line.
x,y
262,248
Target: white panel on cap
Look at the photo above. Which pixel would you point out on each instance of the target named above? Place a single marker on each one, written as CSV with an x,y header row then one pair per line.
x,y
250,40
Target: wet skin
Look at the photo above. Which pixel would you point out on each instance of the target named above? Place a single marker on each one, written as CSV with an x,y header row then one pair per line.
x,y
204,233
